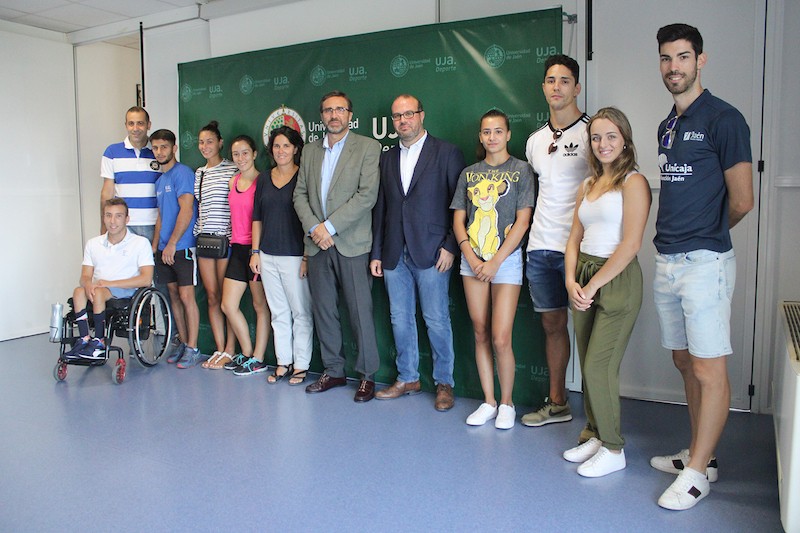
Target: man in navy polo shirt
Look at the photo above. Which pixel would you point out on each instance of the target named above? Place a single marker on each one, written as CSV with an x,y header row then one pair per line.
x,y
129,171
706,189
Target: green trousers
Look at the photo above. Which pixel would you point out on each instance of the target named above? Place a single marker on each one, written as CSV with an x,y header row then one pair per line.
x,y
602,333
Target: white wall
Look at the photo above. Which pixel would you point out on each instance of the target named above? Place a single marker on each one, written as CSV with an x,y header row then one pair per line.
x,y
39,202
779,253
164,48
106,76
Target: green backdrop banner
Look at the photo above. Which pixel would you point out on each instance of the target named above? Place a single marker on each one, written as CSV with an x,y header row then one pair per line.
x,y
458,70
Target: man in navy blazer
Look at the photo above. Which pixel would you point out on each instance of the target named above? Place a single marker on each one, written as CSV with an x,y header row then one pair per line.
x,y
413,246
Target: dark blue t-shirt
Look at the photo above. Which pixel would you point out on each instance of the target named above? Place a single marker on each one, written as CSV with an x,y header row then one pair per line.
x,y
176,182
710,137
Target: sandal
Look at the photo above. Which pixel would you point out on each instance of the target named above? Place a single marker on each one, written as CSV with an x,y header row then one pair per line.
x,y
211,360
298,377
275,377
218,362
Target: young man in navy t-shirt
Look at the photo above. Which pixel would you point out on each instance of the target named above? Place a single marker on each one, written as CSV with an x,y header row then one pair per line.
x,y
706,189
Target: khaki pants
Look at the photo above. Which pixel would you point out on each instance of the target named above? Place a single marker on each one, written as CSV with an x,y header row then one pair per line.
x,y
602,333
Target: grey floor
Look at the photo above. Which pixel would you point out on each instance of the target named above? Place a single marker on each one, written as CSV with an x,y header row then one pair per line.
x,y
201,450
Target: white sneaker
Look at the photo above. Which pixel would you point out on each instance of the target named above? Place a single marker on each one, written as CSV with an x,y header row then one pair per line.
x,y
506,416
602,463
482,414
688,488
674,464
584,452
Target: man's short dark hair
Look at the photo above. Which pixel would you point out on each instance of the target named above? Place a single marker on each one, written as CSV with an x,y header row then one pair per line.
x,y
676,32
116,201
163,135
561,59
137,109
336,93
411,97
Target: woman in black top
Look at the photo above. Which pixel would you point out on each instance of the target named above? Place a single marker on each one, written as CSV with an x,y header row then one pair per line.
x,y
279,258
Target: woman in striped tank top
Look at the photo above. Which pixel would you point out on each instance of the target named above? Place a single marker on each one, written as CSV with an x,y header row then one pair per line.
x,y
214,216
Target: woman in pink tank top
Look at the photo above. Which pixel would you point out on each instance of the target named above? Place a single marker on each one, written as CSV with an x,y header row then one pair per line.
x,y
238,276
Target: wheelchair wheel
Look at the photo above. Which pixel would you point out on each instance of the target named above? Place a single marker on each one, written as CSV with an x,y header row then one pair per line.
x,y
60,371
118,372
149,325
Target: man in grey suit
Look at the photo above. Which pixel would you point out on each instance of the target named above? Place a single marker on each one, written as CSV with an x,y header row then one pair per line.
x,y
336,190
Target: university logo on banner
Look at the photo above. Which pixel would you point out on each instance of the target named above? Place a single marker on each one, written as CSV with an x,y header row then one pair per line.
x,y
495,56
283,116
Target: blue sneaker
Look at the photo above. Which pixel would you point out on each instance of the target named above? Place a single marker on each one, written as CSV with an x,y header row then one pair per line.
x,y
94,349
249,367
237,361
177,354
191,356
75,352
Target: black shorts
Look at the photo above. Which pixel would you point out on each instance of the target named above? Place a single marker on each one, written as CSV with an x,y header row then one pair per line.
x,y
183,271
239,264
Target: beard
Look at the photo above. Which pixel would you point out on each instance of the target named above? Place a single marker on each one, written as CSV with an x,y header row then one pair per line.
x,y
681,86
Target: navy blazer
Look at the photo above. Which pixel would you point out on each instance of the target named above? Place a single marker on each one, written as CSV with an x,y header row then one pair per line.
x,y
420,220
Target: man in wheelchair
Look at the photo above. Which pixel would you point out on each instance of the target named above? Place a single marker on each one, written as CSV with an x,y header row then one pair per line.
x,y
114,265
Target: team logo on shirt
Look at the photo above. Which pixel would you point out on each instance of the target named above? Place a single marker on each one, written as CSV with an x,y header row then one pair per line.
x,y
694,136
571,150
154,165
284,116
673,172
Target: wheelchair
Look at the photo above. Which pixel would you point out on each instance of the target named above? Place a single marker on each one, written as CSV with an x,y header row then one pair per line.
x,y
145,319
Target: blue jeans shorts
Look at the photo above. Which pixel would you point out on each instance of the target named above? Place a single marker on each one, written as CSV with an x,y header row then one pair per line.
x,y
509,273
692,293
545,272
119,292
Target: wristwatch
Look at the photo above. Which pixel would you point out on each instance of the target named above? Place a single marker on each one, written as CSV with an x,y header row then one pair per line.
x,y
254,252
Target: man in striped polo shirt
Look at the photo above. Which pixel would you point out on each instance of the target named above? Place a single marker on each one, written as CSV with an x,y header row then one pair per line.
x,y
130,171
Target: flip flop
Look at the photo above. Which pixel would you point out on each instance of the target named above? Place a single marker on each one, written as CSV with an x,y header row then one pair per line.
x,y
275,377
211,360
298,374
219,362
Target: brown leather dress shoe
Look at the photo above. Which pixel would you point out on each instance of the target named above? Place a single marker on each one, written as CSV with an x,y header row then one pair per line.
x,y
326,382
398,389
444,397
365,392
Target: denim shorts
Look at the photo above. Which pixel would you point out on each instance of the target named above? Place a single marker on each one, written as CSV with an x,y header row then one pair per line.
x,y
692,293
120,292
546,283
509,273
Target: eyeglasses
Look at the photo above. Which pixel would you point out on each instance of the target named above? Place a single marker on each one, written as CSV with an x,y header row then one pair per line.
x,y
669,136
405,114
556,136
338,110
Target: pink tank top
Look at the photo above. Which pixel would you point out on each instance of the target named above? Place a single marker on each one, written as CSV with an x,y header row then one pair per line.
x,y
242,212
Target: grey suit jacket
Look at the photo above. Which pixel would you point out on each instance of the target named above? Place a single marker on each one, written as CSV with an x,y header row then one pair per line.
x,y
351,195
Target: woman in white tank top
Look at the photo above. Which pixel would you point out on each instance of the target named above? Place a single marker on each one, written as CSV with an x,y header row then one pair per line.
x,y
604,282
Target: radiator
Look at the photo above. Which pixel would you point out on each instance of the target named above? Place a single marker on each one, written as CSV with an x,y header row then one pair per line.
x,y
786,402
